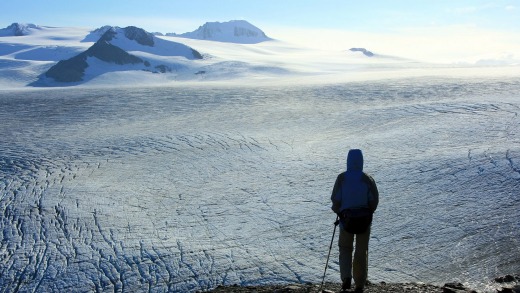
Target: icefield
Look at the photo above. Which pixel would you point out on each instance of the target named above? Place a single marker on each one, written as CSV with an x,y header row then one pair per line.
x,y
184,188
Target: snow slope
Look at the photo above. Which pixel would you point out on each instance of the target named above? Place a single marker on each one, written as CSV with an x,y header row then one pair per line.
x,y
24,58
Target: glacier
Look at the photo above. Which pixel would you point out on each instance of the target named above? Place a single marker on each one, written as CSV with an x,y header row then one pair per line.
x,y
184,188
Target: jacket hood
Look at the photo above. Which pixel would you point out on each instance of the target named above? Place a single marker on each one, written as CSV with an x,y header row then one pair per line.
x,y
355,160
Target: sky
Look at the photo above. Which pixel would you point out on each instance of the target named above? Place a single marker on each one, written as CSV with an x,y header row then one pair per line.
x,y
443,27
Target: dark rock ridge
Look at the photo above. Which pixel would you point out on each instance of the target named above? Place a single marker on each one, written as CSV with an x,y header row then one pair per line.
x,y
139,35
18,29
363,50
73,69
132,33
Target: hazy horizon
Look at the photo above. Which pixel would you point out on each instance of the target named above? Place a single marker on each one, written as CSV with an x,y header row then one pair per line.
x,y
443,31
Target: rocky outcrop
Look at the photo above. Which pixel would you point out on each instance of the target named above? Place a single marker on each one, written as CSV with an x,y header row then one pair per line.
x,y
110,48
70,70
73,69
509,283
132,33
109,53
363,50
139,35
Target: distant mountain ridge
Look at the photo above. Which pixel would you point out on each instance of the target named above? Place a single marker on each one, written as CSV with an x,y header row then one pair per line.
x,y
34,55
117,49
235,31
73,69
18,29
131,32
112,47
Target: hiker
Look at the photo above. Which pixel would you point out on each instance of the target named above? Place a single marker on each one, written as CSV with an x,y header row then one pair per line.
x,y
354,200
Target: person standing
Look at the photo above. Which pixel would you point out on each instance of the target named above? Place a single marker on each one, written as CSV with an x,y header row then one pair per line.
x,y
354,199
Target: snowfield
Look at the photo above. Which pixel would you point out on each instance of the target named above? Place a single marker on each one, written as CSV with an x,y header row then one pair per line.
x,y
185,188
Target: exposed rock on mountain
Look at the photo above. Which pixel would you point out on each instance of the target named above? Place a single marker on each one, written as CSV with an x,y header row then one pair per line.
x,y
112,46
235,31
73,69
363,50
132,33
139,35
136,39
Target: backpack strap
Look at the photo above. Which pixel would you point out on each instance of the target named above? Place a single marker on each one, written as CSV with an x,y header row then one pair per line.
x,y
370,183
372,189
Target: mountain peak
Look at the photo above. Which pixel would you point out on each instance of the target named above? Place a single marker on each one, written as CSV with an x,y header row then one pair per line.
x,y
112,46
139,35
132,33
18,29
234,31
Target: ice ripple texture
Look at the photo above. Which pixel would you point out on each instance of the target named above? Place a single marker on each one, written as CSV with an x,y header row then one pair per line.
x,y
183,189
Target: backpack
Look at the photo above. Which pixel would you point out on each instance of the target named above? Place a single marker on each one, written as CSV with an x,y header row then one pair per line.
x,y
358,220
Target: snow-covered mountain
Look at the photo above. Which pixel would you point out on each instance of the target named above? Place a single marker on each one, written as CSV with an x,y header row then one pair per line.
x,y
18,29
112,49
37,55
235,31
109,55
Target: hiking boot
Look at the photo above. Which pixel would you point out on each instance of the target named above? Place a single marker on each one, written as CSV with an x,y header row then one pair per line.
x,y
358,290
346,285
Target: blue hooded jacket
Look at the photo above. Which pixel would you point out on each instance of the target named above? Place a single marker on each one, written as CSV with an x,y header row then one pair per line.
x,y
350,190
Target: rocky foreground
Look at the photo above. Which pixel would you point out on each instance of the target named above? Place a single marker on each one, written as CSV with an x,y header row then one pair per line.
x,y
507,284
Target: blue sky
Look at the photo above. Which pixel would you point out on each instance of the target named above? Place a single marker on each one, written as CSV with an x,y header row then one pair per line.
x,y
443,26
182,16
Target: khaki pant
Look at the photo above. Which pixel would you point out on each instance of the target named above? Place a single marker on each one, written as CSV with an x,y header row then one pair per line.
x,y
360,264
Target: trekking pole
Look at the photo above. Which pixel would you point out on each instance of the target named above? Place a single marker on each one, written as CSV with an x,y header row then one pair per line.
x,y
328,256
